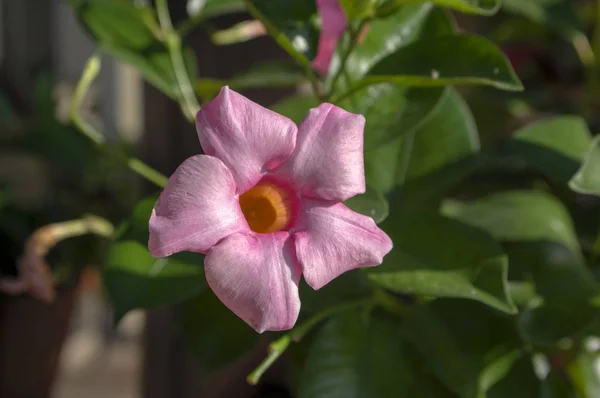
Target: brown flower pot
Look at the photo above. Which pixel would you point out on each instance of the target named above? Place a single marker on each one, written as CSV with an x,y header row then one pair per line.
x,y
31,337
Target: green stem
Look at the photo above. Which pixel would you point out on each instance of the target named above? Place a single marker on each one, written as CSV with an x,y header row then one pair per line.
x,y
90,72
351,45
278,347
187,101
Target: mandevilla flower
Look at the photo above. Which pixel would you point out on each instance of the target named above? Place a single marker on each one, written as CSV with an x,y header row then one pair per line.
x,y
333,24
264,205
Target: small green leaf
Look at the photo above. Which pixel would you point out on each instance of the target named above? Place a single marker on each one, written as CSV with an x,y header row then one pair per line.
x,y
587,178
215,335
520,382
482,7
135,279
555,146
360,355
291,23
445,60
519,216
440,257
137,225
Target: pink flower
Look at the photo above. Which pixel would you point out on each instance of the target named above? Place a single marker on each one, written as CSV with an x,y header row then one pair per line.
x,y
333,25
264,205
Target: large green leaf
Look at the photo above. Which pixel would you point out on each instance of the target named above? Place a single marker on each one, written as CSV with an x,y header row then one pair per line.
x,y
554,146
587,178
519,216
483,7
215,335
467,346
291,23
585,375
135,279
444,60
392,110
360,355
444,137
441,257
565,290
123,30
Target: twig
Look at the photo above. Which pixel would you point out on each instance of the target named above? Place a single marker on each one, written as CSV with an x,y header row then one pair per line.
x,y
35,276
188,102
278,347
90,72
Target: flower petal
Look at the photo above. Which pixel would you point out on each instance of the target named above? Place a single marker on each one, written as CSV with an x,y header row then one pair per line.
x,y
248,138
328,161
256,276
334,239
333,24
197,208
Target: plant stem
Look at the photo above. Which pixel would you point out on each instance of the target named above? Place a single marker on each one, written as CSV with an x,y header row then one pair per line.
x,y
278,347
90,72
351,44
188,102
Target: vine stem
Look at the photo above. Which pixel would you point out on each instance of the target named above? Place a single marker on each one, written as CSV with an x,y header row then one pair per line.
x,y
188,101
90,72
354,34
35,276
278,347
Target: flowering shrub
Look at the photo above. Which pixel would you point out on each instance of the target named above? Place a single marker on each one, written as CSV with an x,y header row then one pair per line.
x,y
453,254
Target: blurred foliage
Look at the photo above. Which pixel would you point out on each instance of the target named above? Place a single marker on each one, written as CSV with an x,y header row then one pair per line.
x,y
490,197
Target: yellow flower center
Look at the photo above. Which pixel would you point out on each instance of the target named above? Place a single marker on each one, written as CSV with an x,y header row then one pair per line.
x,y
267,208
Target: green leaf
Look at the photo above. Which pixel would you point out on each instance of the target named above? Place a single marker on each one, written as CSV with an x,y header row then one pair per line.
x,y
556,146
296,107
136,227
444,60
268,74
519,216
372,203
587,178
441,257
358,9
482,7
466,345
392,110
520,382
386,35
135,279
360,355
584,374
447,135
291,23
215,335
124,31
560,15
213,8
565,289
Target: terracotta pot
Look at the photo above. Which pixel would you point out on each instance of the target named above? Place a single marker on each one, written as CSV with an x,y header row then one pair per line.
x,y
31,337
